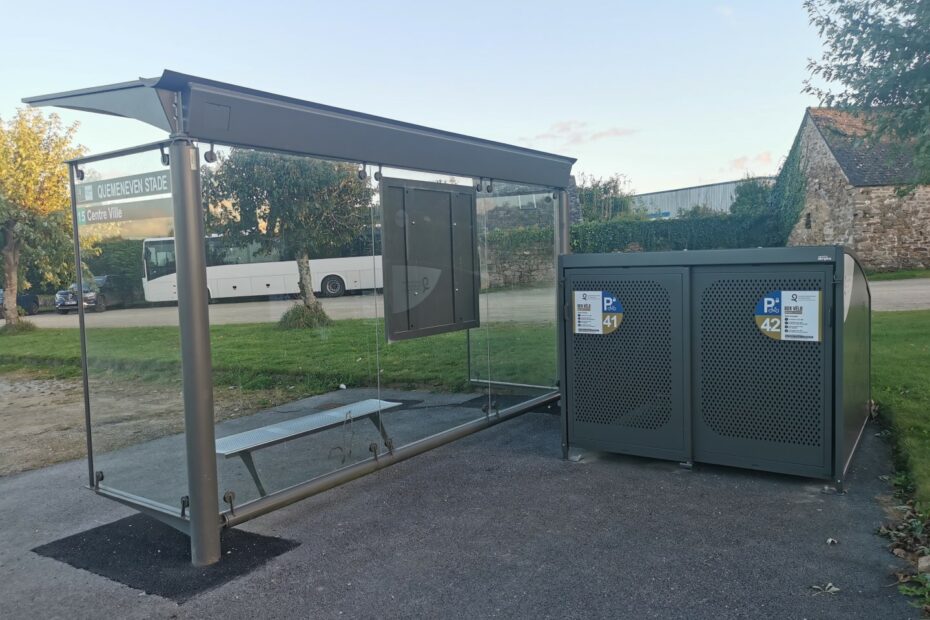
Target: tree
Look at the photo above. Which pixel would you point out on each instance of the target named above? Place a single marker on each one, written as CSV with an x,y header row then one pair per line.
x,y
752,198
603,199
297,205
877,54
697,211
35,219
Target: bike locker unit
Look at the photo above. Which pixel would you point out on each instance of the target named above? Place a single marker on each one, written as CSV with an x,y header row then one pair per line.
x,y
755,358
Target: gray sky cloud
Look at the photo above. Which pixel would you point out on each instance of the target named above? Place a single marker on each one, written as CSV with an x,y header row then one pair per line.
x,y
577,133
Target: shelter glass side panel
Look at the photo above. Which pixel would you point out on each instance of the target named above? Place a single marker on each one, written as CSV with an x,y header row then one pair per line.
x,y
518,238
294,273
124,211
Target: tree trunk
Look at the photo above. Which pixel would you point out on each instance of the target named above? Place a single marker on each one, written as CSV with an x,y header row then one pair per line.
x,y
305,281
10,275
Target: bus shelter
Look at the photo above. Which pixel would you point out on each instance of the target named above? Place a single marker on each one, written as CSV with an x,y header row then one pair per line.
x,y
440,275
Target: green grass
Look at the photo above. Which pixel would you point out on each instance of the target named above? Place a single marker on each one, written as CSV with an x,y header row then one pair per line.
x,y
263,356
905,274
901,386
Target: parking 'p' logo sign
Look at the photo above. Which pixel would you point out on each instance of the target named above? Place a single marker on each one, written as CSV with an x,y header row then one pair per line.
x,y
790,315
596,312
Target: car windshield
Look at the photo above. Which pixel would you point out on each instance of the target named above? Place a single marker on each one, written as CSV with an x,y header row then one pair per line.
x,y
87,286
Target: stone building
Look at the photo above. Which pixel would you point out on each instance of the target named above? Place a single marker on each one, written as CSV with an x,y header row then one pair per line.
x,y
856,194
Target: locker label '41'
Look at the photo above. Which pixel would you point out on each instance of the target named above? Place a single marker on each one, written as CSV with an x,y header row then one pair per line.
x,y
596,312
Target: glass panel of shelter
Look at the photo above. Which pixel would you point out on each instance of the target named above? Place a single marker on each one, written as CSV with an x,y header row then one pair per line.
x,y
295,404
305,402
294,400
123,203
519,247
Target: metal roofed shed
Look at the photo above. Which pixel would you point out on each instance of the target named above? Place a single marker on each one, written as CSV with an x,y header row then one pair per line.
x,y
755,358
671,203
447,310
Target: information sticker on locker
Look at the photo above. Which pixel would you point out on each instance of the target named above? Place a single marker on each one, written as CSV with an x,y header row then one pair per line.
x,y
596,312
790,315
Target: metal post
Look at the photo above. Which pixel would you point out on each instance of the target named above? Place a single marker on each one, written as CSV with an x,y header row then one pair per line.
x,y
565,224
195,351
563,246
88,432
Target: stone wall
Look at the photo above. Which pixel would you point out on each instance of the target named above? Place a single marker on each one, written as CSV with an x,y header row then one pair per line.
x,y
892,231
885,230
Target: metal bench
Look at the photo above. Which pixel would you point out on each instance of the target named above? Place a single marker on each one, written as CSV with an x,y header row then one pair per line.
x,y
243,444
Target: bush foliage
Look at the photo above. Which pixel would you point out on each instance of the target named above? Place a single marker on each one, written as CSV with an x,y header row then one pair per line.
x,y
301,316
20,327
690,233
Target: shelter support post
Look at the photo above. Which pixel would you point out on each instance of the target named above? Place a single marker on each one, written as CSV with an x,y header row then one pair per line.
x,y
565,223
88,434
195,351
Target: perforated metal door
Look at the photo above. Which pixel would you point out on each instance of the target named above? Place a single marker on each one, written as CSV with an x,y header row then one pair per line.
x,y
625,388
759,402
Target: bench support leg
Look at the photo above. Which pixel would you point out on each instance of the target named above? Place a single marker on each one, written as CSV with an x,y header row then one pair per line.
x,y
250,465
388,442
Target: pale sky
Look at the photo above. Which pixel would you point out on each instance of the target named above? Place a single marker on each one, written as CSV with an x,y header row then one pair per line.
x,y
670,94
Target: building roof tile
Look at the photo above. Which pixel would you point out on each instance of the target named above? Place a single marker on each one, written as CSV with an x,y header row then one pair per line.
x,y
864,162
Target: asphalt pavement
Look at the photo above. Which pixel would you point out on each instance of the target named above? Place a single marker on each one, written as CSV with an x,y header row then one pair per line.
x,y
507,305
911,294
498,525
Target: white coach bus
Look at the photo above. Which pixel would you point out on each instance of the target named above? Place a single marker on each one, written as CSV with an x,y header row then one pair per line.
x,y
247,270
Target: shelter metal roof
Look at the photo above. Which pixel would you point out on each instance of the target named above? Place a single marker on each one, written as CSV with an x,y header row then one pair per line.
x,y
221,113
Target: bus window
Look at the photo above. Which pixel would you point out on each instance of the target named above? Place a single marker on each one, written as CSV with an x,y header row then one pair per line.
x,y
264,254
221,252
159,258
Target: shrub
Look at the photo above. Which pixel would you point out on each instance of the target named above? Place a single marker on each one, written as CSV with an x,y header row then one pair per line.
x,y
20,327
301,316
704,232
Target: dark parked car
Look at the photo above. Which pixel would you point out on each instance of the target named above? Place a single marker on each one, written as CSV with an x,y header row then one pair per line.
x,y
27,301
100,293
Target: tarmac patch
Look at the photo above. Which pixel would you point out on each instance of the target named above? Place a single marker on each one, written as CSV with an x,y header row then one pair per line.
x,y
147,555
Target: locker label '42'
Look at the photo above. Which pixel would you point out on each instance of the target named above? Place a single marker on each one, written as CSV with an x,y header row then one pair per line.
x,y
790,315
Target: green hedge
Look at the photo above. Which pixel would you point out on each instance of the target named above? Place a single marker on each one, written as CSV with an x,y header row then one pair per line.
x,y
686,233
520,255
788,193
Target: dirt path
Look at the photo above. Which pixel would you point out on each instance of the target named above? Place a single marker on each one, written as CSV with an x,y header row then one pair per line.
x,y
42,420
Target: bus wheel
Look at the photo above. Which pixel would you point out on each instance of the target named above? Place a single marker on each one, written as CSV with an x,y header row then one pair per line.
x,y
333,286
